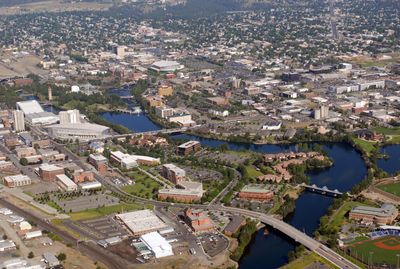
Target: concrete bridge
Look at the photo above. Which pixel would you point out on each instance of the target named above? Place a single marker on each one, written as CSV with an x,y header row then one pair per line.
x,y
324,190
295,234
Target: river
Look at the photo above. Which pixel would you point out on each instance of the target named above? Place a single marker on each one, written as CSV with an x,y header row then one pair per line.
x,y
271,251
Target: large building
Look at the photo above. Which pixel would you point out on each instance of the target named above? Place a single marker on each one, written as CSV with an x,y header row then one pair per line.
x,y
173,173
17,181
386,214
141,222
83,131
35,114
128,161
198,220
165,90
70,117
164,112
157,244
166,66
49,172
187,192
189,147
257,192
19,121
321,113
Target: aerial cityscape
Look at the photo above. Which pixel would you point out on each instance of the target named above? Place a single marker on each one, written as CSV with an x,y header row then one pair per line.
x,y
202,134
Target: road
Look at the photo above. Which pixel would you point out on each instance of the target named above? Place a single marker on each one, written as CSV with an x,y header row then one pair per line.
x,y
280,225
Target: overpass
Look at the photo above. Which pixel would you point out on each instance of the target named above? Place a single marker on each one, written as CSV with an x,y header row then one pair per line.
x,y
324,190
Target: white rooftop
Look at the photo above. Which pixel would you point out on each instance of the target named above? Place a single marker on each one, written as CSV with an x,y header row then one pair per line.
x,y
141,221
29,107
157,244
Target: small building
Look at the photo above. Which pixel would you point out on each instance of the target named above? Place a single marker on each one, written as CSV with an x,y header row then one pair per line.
x,y
386,214
128,161
91,185
83,176
33,234
17,181
165,90
157,244
272,125
66,183
50,259
6,245
259,192
189,148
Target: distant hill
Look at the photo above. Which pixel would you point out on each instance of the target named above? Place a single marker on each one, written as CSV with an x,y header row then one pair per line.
x,y
10,3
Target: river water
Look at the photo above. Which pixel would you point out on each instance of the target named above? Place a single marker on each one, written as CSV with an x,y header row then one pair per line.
x,y
271,251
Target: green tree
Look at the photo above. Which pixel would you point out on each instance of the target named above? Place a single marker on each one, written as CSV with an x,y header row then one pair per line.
x,y
31,255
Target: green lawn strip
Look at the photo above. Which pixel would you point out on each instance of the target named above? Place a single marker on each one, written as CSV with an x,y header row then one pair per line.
x,y
307,260
366,146
339,216
252,172
368,251
387,131
393,188
104,211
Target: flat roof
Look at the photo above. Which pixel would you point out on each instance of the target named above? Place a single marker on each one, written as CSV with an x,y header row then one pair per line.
x,y
31,106
384,211
257,188
50,167
189,144
157,244
66,180
141,221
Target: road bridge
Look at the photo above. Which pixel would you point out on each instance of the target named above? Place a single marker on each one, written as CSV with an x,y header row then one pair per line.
x,y
324,190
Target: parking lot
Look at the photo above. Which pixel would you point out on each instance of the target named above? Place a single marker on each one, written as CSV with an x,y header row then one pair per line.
x,y
213,243
97,229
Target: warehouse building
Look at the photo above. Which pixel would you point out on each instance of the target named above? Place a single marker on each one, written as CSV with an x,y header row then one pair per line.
x,y
157,244
141,222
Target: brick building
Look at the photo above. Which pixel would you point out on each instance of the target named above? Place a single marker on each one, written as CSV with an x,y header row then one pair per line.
x,y
48,172
99,162
198,220
386,214
173,173
189,147
257,192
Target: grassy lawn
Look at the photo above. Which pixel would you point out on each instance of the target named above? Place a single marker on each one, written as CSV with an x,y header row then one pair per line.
x,y
393,188
339,216
252,172
365,145
104,211
363,251
307,260
143,186
387,131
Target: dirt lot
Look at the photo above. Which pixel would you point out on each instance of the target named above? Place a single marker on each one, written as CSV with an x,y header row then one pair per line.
x,y
53,6
19,66
125,251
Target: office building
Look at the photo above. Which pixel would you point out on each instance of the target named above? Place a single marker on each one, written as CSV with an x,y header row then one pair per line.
x,y
49,172
386,214
258,192
128,161
187,192
164,112
19,121
70,117
173,173
189,148
198,220
17,181
141,222
99,162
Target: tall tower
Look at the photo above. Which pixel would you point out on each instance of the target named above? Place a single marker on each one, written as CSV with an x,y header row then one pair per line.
x,y
19,121
50,94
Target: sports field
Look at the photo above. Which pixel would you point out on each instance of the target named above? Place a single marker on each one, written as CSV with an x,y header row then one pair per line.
x,y
379,251
393,188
